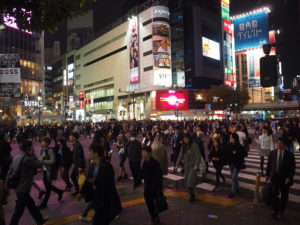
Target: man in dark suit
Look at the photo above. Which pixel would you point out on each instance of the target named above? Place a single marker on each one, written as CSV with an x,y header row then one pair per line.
x,y
176,145
280,170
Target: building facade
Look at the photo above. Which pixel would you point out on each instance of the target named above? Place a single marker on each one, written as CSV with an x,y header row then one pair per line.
x,y
29,47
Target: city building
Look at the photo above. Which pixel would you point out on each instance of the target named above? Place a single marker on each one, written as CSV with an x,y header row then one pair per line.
x,y
23,103
124,72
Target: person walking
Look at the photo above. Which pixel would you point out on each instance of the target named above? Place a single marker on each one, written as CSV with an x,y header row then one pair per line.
x,y
265,141
27,163
133,151
152,175
236,162
280,171
121,142
107,201
50,163
78,161
159,153
176,146
66,161
217,157
191,158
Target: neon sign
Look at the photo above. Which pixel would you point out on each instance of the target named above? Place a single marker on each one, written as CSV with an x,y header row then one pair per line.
x,y
167,100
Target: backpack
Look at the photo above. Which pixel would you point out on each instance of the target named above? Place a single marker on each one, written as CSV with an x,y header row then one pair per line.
x,y
14,178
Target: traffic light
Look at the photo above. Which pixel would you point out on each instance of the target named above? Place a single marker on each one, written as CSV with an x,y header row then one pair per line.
x,y
268,71
81,96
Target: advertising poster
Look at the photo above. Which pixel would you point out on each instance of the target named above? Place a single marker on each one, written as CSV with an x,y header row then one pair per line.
x,y
10,75
134,51
162,54
210,48
168,100
251,31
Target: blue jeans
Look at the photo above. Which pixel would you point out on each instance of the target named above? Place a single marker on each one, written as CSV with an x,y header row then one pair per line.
x,y
234,181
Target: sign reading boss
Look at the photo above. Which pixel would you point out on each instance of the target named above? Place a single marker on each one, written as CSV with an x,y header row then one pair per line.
x,y
10,75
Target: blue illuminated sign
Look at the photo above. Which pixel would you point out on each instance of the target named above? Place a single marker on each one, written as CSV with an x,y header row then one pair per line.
x,y
254,82
251,31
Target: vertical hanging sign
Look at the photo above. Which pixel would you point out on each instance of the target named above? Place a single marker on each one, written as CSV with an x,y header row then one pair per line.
x,y
134,50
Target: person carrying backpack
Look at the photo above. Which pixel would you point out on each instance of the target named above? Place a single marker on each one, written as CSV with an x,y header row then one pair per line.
x,y
20,178
50,160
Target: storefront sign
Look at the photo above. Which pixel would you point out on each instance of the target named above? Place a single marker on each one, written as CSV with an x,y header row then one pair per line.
x,y
134,87
32,104
163,78
228,27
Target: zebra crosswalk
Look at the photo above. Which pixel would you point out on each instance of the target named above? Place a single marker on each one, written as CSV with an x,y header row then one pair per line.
x,y
247,177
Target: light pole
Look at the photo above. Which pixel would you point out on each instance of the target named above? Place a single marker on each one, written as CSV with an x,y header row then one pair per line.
x,y
177,104
39,98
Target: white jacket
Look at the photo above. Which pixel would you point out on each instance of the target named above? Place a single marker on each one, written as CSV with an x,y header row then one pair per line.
x,y
266,142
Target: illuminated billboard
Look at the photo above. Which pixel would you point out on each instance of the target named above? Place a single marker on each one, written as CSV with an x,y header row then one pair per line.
x,y
134,51
210,48
10,21
167,100
251,30
161,33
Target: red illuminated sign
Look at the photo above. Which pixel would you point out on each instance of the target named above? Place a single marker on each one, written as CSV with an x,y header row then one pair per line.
x,y
81,95
167,100
227,27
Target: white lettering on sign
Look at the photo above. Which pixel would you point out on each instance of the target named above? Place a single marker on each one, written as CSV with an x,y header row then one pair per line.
x,y
134,87
32,104
162,11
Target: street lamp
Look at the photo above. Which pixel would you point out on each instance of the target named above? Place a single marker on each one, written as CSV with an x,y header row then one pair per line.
x,y
177,104
131,96
39,98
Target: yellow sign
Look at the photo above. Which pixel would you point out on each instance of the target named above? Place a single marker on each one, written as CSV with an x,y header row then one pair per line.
x,y
227,2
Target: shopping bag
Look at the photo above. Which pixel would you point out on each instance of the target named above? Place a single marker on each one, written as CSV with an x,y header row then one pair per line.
x,y
81,179
161,203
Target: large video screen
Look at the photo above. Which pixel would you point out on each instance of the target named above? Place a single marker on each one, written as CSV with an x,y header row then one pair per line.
x,y
210,48
168,100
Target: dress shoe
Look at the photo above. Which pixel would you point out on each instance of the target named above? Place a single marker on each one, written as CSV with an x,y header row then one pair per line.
x,y
231,195
192,198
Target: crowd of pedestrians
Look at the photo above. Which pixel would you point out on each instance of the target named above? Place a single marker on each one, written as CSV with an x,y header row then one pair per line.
x,y
192,146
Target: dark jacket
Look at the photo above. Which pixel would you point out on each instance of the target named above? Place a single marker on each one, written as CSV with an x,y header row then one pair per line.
x,y
78,156
152,176
66,155
29,168
200,144
5,158
217,154
236,155
87,189
177,142
49,163
133,150
107,201
287,169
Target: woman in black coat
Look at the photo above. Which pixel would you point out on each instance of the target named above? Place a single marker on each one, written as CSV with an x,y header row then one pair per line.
x,y
107,200
216,156
236,162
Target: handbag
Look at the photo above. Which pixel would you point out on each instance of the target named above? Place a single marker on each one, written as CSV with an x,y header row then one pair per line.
x,y
160,203
266,193
81,179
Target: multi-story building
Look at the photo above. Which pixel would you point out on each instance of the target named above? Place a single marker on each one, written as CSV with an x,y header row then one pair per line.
x,y
138,67
29,47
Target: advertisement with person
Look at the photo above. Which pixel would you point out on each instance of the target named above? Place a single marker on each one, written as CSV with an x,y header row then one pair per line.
x,y
162,54
134,51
